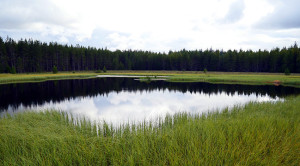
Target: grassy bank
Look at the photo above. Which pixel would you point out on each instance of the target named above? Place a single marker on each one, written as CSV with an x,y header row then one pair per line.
x,y
38,77
221,77
173,76
255,134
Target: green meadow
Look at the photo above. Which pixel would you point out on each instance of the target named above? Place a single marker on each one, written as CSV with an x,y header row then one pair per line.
x,y
173,76
221,77
39,77
265,133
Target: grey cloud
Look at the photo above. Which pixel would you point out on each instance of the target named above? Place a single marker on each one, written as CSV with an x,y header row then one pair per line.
x,y
285,16
178,44
280,39
20,14
235,12
18,34
99,39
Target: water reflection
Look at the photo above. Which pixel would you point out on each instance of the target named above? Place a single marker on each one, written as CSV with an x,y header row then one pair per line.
x,y
123,99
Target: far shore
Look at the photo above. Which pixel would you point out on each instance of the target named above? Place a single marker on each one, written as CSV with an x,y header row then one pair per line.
x,y
275,79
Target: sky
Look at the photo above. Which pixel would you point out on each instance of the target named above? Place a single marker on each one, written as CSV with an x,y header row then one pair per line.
x,y
154,25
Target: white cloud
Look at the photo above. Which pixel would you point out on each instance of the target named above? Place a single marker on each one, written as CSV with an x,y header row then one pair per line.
x,y
284,16
158,25
63,39
235,12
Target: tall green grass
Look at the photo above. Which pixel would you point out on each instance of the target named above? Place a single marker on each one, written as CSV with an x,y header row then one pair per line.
x,y
173,76
21,78
220,77
254,134
254,79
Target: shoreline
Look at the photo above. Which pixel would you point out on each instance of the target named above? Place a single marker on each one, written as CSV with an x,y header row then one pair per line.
x,y
275,79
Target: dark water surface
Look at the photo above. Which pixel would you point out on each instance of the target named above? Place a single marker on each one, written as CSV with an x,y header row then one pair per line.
x,y
125,99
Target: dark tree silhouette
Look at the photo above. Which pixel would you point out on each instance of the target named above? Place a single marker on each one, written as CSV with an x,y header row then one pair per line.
x,y
35,56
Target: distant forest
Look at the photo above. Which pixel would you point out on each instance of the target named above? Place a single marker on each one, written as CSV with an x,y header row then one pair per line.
x,y
35,56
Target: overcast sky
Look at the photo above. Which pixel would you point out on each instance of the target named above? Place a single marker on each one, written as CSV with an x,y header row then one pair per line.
x,y
156,25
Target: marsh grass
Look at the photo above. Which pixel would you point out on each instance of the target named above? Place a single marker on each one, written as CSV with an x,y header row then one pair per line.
x,y
254,134
34,77
173,76
220,77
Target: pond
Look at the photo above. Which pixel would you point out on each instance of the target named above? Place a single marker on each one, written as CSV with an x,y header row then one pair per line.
x,y
118,100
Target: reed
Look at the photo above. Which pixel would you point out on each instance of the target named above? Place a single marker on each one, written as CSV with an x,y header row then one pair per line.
x,y
255,134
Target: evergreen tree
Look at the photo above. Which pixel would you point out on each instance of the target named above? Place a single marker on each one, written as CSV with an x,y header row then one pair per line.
x,y
13,70
287,71
35,56
54,70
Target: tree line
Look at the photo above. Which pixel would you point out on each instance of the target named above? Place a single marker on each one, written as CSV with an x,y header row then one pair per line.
x,y
35,56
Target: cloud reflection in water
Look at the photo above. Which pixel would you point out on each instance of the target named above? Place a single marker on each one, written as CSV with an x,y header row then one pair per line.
x,y
128,106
